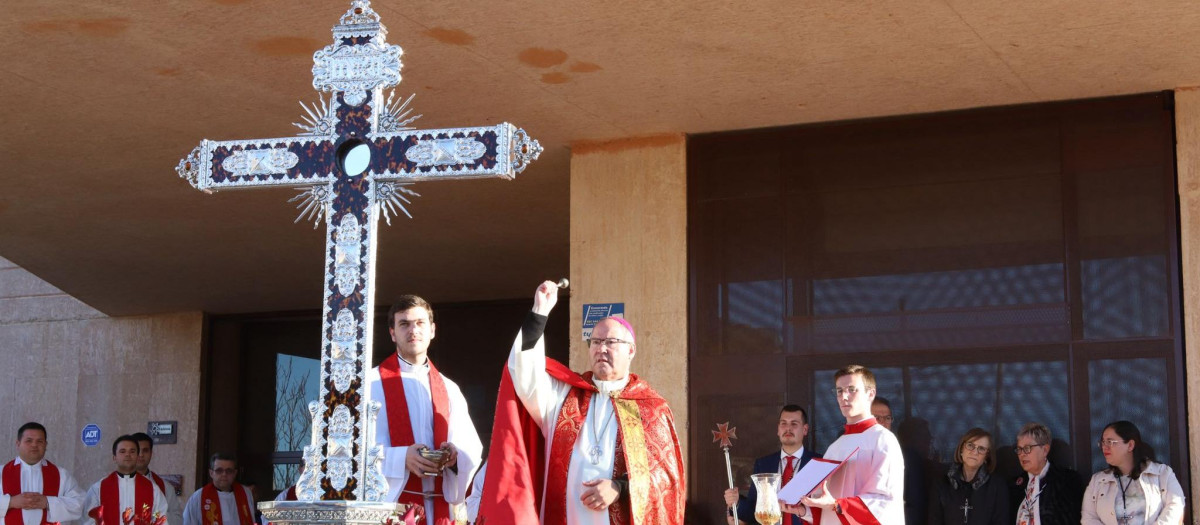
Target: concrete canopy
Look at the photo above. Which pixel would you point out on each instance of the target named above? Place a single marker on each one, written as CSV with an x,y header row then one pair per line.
x,y
101,99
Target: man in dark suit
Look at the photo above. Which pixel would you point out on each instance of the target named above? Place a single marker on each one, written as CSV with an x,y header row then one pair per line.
x,y
787,461
1054,495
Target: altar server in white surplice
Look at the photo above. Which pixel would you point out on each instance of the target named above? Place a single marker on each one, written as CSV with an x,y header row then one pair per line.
x,y
421,409
34,491
869,488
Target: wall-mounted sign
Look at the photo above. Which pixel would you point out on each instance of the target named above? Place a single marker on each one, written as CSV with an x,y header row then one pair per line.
x,y
90,435
163,432
593,313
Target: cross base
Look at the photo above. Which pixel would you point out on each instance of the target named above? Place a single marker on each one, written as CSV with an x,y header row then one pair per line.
x,y
331,512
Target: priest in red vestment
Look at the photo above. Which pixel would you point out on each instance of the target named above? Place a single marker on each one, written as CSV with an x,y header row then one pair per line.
x,y
123,491
572,449
34,491
421,409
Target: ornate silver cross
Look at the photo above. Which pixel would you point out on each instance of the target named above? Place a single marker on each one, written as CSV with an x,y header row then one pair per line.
x,y
353,162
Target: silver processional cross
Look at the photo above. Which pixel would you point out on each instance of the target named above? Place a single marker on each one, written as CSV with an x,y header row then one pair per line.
x,y
352,162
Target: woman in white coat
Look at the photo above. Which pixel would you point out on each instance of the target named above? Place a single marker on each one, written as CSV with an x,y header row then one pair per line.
x,y
1135,489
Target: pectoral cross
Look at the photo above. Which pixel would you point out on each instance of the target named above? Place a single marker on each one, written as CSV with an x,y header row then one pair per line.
x,y
353,162
966,508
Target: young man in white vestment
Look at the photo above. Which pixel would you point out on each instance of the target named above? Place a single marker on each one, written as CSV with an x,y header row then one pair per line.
x,y
123,490
34,491
422,410
869,488
145,455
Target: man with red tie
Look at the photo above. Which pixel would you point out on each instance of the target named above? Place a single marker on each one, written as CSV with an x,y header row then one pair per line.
x,y
791,457
223,501
123,491
145,455
869,488
34,491
422,409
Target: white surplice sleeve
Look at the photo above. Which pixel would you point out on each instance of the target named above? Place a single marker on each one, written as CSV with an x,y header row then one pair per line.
x,y
68,505
541,394
462,434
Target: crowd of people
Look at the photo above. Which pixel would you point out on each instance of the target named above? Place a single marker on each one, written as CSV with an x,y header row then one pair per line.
x,y
600,447
883,482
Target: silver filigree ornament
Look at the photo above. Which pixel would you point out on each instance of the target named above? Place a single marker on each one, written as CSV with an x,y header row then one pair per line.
x,y
344,351
525,150
395,115
249,162
189,167
321,120
445,152
360,60
376,486
308,487
390,196
340,446
314,202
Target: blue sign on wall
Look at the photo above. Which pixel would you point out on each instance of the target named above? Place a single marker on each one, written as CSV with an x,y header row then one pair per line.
x,y
593,313
90,435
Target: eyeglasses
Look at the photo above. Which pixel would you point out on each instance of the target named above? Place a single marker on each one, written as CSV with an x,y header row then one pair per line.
x,y
850,390
971,447
611,342
224,471
1109,443
1021,451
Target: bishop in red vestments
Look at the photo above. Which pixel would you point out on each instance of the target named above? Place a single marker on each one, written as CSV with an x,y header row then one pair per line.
x,y
574,449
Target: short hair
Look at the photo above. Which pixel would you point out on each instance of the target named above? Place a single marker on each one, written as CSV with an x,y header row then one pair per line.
x,y
796,408
880,400
1039,432
125,437
989,459
404,302
221,456
142,437
868,378
1143,453
32,425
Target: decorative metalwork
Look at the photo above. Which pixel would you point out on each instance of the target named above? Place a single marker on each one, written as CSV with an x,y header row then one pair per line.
x,y
321,120
395,116
445,152
391,196
343,461
326,512
260,162
313,203
525,151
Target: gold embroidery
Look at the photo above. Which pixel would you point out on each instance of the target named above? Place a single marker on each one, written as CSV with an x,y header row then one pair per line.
x,y
636,458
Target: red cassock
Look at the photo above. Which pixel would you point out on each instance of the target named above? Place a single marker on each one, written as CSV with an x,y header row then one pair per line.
x,y
647,453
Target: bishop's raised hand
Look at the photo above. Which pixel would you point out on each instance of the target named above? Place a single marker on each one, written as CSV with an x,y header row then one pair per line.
x,y
545,298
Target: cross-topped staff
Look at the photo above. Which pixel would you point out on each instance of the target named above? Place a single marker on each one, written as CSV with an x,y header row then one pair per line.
x,y
724,434
353,161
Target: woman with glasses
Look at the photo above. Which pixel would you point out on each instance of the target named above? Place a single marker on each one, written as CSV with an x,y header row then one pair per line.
x,y
1135,489
968,494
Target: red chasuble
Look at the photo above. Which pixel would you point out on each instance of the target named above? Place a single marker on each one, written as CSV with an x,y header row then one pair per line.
x,y
647,453
109,511
12,487
401,434
211,504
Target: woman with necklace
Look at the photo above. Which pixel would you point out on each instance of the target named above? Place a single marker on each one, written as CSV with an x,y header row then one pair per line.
x,y
967,494
1135,489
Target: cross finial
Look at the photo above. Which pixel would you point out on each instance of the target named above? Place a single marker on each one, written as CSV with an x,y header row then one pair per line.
x,y
724,433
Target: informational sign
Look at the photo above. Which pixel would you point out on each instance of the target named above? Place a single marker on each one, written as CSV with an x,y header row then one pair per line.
x,y
593,313
162,432
90,435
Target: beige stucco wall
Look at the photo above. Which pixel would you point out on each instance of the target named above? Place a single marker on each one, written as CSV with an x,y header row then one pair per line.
x,y
1187,151
66,365
629,245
